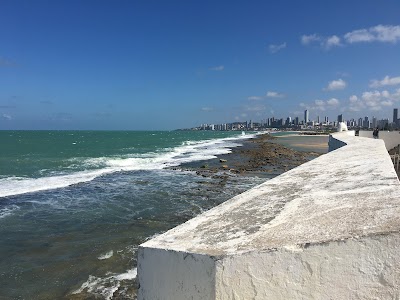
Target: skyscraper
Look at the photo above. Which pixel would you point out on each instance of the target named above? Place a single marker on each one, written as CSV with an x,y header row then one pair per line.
x,y
395,116
340,118
374,122
366,122
306,117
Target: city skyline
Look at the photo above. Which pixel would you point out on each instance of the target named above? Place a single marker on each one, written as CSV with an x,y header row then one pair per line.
x,y
306,122
156,65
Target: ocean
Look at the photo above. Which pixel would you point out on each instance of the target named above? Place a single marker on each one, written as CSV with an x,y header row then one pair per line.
x,y
75,205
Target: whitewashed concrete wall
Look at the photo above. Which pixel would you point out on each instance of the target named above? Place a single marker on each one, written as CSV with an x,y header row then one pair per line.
x,y
328,229
391,138
335,143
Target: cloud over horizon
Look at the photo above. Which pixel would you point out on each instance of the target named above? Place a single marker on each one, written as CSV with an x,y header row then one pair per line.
x,y
272,94
324,42
335,85
207,109
276,48
385,82
379,33
322,105
217,68
6,117
256,98
269,94
373,100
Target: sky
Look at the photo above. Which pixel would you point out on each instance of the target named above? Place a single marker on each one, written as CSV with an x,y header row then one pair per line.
x,y
163,65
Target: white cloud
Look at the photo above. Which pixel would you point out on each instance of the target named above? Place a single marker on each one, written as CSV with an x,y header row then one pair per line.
x,y
308,39
6,117
271,94
373,100
373,96
387,103
333,41
385,81
207,109
320,105
360,35
333,102
385,94
396,95
325,42
355,103
323,105
217,68
255,108
255,98
353,99
380,33
334,85
276,48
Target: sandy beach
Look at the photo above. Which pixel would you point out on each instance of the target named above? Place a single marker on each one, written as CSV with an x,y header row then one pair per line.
x,y
315,143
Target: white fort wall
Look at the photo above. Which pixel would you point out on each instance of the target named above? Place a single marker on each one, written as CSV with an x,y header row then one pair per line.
x,y
328,229
391,138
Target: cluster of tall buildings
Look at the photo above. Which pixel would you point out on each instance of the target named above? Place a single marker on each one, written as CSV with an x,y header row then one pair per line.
x,y
366,123
298,124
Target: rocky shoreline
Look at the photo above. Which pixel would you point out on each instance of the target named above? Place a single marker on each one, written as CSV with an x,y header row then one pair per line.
x,y
259,156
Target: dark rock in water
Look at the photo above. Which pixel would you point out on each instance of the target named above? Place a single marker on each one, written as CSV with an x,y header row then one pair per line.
x,y
256,156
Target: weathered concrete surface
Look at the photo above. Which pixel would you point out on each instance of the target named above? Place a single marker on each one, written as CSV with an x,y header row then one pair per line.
x,y
170,273
391,138
328,229
362,268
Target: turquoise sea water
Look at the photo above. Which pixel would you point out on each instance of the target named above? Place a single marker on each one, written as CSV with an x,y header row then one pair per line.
x,y
74,205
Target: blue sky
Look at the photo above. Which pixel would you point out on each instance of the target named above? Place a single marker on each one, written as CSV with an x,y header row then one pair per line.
x,y
178,64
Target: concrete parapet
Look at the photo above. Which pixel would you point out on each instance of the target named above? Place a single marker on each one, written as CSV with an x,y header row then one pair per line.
x,y
391,138
336,143
328,229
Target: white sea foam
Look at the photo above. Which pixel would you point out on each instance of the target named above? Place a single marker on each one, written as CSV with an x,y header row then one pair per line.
x,y
106,255
7,211
107,286
188,152
20,185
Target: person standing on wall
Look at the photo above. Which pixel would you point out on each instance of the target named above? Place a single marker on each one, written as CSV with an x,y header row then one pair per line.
x,y
375,134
